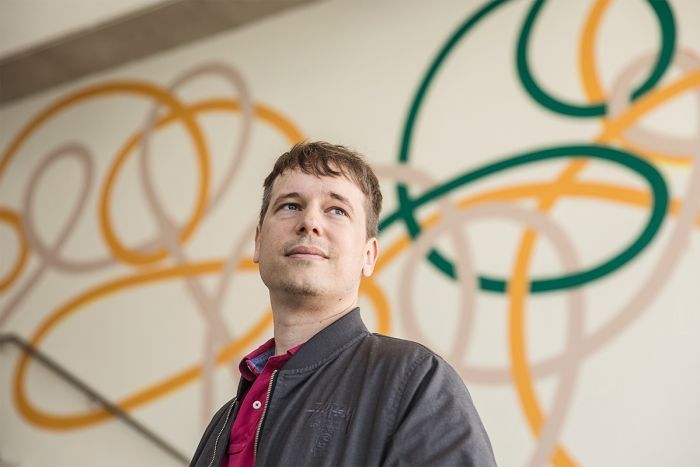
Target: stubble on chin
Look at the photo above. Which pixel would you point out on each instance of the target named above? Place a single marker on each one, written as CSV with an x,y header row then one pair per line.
x,y
292,283
300,289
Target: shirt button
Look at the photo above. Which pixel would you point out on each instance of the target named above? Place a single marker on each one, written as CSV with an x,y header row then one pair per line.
x,y
257,405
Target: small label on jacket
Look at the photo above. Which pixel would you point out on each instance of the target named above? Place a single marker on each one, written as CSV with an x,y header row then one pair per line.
x,y
327,419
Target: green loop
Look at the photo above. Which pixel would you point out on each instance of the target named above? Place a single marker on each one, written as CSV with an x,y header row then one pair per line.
x,y
547,284
668,44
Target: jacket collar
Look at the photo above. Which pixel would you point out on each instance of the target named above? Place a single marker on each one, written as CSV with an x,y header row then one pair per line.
x,y
328,342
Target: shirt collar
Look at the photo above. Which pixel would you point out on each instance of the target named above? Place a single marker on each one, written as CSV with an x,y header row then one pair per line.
x,y
252,364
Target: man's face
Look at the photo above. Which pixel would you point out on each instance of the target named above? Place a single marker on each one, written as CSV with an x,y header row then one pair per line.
x,y
312,241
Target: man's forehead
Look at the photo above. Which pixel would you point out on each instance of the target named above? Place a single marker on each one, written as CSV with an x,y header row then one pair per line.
x,y
296,181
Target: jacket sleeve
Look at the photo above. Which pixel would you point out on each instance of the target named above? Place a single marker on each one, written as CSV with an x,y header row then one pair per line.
x,y
436,422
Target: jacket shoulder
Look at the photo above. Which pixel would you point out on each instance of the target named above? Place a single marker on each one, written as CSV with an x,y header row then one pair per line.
x,y
427,388
397,348
386,355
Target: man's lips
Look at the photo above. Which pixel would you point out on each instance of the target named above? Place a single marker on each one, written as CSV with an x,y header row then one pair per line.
x,y
306,251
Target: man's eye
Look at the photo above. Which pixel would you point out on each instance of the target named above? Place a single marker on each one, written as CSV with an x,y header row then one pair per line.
x,y
339,211
290,206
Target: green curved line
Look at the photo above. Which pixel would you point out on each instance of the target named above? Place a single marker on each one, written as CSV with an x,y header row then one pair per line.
x,y
402,190
576,279
668,44
434,66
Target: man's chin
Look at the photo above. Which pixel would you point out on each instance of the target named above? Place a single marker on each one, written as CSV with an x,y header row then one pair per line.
x,y
302,289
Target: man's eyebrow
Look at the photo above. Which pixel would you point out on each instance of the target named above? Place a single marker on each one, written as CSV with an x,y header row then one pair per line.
x,y
292,195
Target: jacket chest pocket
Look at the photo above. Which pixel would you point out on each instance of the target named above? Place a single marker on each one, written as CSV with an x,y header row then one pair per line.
x,y
326,422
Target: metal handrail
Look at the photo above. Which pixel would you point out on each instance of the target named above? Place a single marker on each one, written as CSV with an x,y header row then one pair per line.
x,y
93,395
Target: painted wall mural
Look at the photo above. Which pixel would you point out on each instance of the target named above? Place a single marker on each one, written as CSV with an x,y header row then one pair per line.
x,y
539,261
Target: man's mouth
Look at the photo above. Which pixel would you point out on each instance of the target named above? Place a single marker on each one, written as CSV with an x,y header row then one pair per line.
x,y
306,252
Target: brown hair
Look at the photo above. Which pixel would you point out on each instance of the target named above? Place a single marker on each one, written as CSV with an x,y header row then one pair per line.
x,y
323,160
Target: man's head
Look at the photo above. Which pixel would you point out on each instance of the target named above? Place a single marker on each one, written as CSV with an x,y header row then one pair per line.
x,y
323,159
318,222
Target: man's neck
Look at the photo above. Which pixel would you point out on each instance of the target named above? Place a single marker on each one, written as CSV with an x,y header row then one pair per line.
x,y
295,323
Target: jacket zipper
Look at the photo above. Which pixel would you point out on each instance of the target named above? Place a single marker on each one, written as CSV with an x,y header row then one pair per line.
x,y
262,418
216,442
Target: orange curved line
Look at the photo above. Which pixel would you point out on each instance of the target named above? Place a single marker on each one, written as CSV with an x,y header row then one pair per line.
x,y
150,393
264,112
369,287
586,57
133,87
615,127
518,287
14,220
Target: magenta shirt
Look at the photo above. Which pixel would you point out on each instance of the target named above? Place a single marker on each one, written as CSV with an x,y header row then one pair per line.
x,y
257,367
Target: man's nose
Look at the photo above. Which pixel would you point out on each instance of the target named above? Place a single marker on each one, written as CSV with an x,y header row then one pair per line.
x,y
309,223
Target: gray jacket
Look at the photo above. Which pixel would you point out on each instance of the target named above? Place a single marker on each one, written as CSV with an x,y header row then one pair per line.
x,y
352,398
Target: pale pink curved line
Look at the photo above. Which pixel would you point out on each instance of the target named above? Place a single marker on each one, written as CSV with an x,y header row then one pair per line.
x,y
675,147
49,256
466,319
217,333
569,370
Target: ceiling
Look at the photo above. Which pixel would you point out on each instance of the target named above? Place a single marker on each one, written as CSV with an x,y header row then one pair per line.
x,y
45,43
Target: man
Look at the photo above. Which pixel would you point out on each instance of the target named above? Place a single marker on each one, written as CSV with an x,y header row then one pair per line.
x,y
324,390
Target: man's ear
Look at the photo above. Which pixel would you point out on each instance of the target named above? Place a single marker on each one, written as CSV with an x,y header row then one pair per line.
x,y
370,257
256,253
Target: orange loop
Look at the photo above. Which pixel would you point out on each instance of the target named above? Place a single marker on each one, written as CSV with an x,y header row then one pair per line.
x,y
136,257
116,246
161,96
148,394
